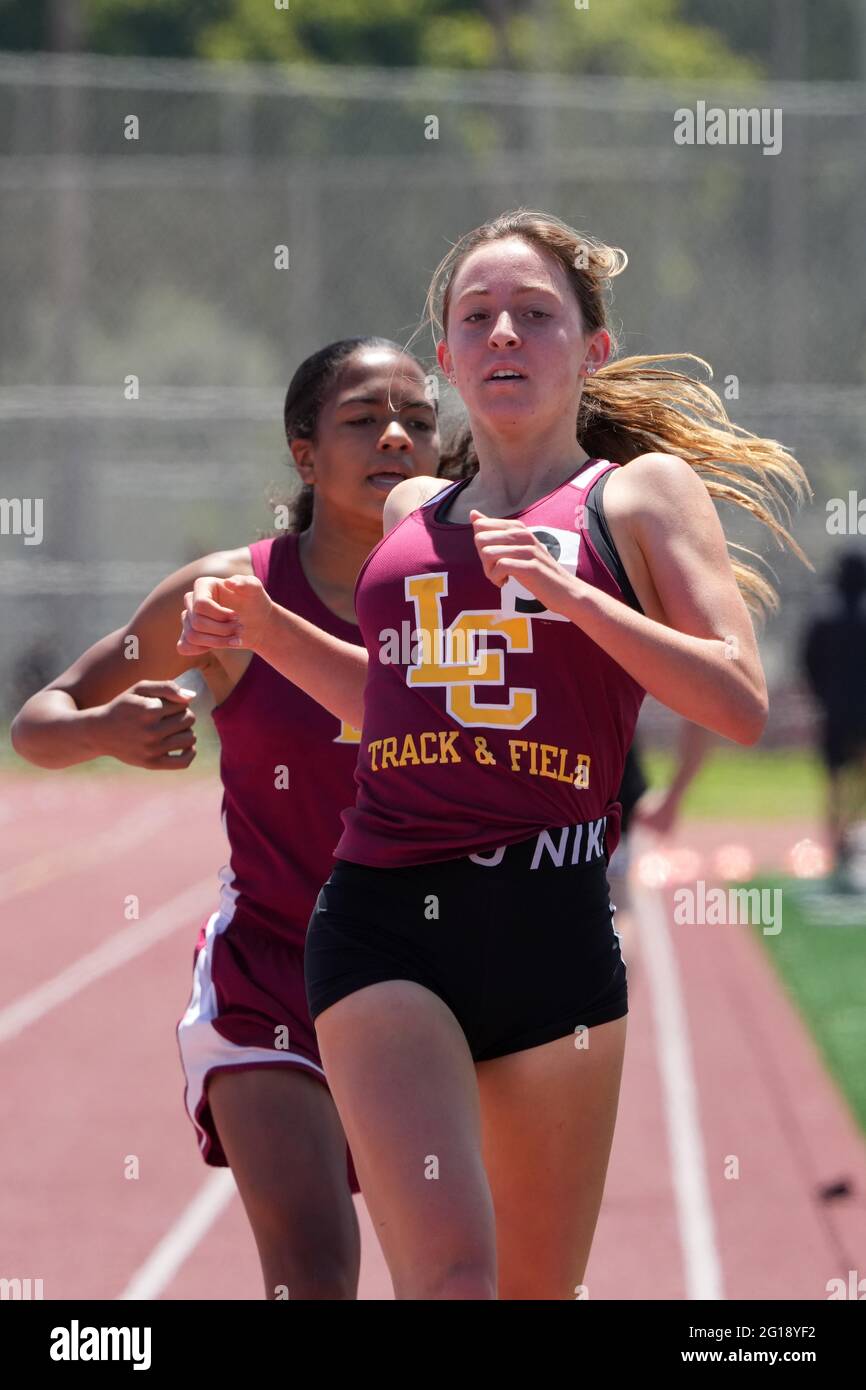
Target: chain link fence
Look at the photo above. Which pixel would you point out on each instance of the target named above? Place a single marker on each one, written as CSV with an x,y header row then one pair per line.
x,y
141,203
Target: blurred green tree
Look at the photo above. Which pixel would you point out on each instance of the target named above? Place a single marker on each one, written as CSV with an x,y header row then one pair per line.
x,y
638,38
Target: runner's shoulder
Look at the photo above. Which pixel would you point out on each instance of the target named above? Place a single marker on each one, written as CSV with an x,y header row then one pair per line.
x,y
406,496
222,564
218,564
651,483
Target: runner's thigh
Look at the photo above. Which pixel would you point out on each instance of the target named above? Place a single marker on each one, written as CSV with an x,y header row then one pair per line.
x,y
282,1136
403,1079
548,1116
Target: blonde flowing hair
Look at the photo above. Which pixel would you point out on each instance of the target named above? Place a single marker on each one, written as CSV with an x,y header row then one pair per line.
x,y
635,405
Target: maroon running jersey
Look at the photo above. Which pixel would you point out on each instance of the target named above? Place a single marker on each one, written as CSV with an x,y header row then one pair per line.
x,y
286,767
487,718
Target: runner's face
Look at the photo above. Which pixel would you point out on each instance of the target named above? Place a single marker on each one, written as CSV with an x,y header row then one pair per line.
x,y
375,428
512,306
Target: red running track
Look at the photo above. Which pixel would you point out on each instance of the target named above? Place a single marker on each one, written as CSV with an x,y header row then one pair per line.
x,y
729,1125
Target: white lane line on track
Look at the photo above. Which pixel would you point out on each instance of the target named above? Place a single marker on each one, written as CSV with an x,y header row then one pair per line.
x,y
124,946
164,1261
701,1260
77,855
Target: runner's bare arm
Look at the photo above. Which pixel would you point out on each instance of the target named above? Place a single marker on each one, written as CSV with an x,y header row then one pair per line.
x,y
659,807
697,652
95,708
238,613
693,648
330,671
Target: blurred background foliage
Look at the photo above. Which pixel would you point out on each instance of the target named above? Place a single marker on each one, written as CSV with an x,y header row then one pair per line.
x,y
812,39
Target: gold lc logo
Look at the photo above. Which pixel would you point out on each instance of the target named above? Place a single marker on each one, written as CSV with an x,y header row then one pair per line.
x,y
454,658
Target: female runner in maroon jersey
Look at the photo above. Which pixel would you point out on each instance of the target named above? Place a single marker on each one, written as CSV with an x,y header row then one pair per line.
x,y
462,968
358,421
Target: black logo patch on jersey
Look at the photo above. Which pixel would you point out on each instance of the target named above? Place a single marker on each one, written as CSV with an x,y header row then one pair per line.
x,y
564,546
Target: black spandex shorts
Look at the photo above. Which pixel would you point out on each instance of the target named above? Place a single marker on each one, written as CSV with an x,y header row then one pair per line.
x,y
518,942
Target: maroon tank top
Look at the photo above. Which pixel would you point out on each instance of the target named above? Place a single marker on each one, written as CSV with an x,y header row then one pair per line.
x,y
286,765
487,718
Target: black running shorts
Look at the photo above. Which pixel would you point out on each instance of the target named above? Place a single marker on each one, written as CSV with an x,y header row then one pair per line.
x,y
519,942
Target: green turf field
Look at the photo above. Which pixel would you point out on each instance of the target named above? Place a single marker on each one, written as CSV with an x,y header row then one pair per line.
x,y
820,955
748,782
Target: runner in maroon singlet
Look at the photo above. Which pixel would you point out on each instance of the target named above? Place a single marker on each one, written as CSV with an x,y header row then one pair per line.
x,y
462,968
358,421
